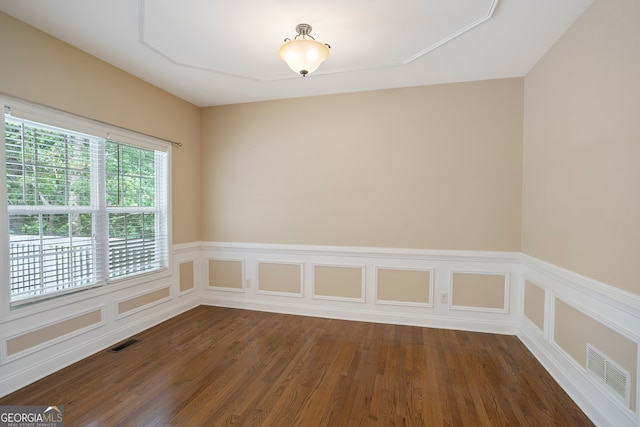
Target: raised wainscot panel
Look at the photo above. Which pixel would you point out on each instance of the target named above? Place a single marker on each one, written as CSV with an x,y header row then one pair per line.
x,y
402,286
53,331
534,304
131,304
187,281
338,282
479,291
280,278
226,274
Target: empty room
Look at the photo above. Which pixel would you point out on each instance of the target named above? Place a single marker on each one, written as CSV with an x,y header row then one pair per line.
x,y
320,213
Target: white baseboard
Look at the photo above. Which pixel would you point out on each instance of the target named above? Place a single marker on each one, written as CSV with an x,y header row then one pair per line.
x,y
363,315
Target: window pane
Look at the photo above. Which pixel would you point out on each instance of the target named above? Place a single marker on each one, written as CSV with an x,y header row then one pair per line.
x,y
14,161
55,249
132,243
130,191
46,258
130,176
55,226
79,185
113,185
51,186
23,225
112,158
130,160
30,187
79,174
148,196
46,167
24,251
112,188
148,163
81,225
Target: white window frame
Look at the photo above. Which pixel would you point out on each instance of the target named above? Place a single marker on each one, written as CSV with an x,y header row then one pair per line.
x,y
41,114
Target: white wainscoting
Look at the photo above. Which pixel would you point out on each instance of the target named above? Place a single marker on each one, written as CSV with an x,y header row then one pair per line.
x,y
22,368
614,308
435,314
618,310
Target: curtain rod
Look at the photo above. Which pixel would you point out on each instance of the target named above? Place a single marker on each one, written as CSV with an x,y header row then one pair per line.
x,y
100,122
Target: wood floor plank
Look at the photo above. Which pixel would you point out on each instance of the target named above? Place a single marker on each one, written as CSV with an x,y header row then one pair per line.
x,y
227,367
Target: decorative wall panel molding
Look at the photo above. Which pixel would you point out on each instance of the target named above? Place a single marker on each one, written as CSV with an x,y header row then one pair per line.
x,y
280,278
616,313
481,291
359,301
338,282
53,332
225,274
396,285
143,301
188,257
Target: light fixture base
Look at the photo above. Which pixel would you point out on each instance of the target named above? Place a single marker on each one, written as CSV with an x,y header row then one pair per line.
x,y
303,30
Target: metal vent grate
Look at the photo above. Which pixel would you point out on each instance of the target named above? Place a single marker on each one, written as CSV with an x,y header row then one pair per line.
x,y
610,373
122,346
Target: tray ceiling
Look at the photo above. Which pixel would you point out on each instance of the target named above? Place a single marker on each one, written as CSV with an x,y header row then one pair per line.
x,y
214,52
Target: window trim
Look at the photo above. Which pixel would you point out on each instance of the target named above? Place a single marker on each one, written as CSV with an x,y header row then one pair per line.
x,y
39,113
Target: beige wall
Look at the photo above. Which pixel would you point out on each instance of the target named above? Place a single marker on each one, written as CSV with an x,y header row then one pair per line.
x,y
581,202
41,69
430,167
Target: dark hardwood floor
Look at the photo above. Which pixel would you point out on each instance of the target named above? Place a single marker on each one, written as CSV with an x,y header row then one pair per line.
x,y
219,367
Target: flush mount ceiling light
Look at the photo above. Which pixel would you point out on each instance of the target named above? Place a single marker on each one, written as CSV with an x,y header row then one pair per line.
x,y
303,55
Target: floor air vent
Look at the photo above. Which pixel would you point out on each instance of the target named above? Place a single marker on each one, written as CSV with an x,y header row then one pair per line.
x,y
610,373
122,346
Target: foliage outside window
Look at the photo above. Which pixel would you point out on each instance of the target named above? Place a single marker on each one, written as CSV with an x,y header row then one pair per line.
x,y
82,210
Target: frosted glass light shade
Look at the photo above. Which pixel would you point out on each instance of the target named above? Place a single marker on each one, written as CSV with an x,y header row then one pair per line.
x,y
303,56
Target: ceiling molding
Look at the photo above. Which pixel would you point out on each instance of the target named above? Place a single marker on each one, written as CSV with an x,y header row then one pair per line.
x,y
214,52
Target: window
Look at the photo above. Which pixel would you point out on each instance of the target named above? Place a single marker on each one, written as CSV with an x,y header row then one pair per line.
x,y
83,209
132,208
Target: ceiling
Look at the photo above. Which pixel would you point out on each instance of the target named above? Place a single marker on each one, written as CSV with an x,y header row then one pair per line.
x,y
216,52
